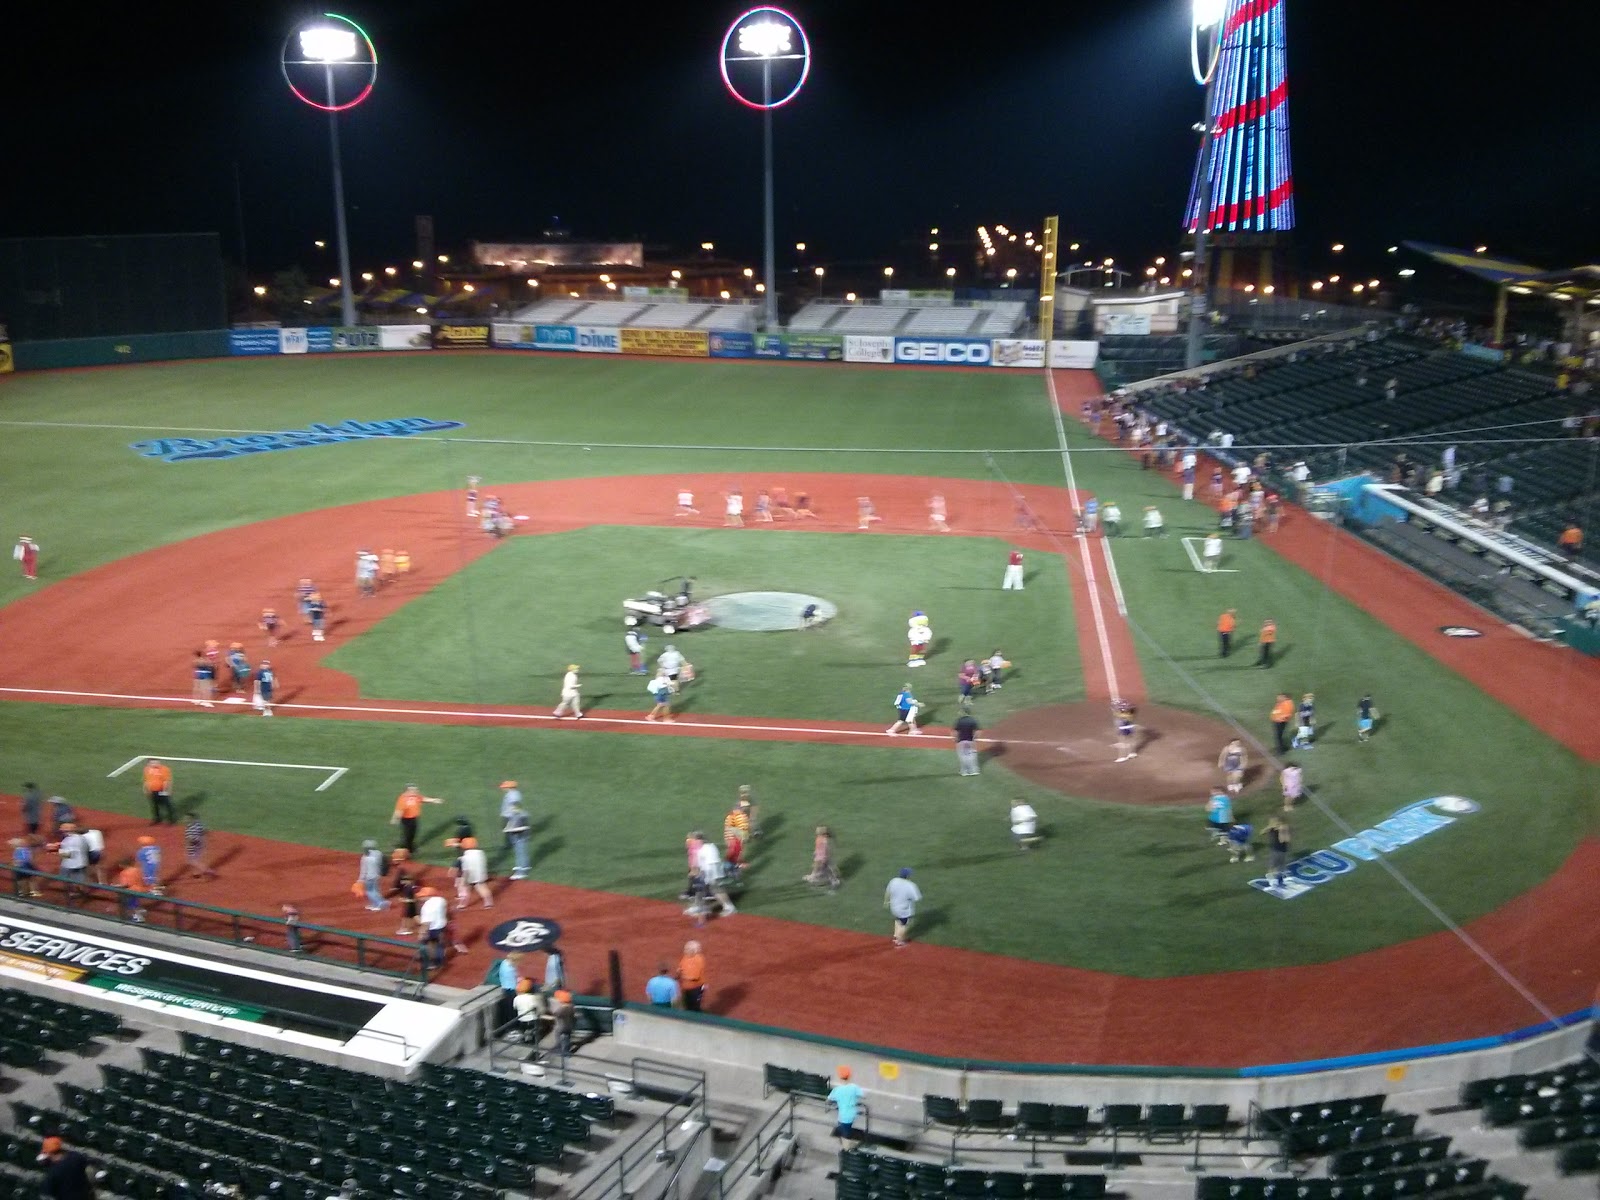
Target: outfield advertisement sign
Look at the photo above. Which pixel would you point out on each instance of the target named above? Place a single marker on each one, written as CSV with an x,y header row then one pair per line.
x,y
1409,824
866,348
962,352
450,336
1018,352
405,337
669,343
592,339
347,337
294,341
806,347
1074,356
731,345
255,341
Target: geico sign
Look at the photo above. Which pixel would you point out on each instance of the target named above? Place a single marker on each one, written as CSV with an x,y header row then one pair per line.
x,y
976,353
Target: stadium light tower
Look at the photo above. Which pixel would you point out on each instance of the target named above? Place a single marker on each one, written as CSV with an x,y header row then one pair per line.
x,y
1207,27
765,36
334,42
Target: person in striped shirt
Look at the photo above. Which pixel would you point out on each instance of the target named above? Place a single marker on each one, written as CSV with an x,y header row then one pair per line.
x,y
194,847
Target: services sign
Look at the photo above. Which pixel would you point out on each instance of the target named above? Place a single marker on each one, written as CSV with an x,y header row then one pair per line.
x,y
868,348
1018,352
669,343
965,352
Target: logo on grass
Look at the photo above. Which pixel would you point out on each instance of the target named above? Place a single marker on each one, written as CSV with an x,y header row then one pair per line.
x,y
188,449
1409,824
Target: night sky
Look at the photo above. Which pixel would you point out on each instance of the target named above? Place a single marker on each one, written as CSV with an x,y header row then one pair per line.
x,y
1410,120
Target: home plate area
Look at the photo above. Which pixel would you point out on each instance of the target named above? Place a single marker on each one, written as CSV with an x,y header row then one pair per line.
x,y
1072,748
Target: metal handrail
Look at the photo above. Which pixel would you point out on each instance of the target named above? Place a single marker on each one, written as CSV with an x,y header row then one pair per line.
x,y
653,1140
243,926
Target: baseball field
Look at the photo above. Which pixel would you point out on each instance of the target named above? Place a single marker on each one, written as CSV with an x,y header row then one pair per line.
x,y
173,503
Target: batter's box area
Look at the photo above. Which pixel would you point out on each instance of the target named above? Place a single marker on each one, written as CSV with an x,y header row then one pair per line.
x,y
1072,748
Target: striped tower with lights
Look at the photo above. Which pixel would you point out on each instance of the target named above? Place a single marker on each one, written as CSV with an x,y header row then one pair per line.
x,y
1243,183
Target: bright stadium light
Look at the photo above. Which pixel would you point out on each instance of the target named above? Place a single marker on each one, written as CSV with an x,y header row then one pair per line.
x,y
391,271
763,37
259,290
366,277
888,272
334,43
328,43
417,264
1407,272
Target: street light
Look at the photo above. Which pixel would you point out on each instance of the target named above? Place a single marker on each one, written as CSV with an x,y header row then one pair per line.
x,y
334,42
766,35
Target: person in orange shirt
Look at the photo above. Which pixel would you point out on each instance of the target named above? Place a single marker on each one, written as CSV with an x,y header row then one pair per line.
x,y
1226,624
158,789
1571,541
129,878
1268,640
691,975
407,808
1282,714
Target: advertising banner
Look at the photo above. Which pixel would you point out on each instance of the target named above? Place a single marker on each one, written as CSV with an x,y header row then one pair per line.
x,y
634,292
1018,352
319,339
814,347
670,343
349,338
1125,324
7,365
293,341
732,345
963,352
549,337
594,339
865,348
254,341
405,337
448,335
505,333
923,298
1079,356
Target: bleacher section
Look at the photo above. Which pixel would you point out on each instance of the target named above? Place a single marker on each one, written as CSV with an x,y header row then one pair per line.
x,y
640,315
1000,320
1557,1109
1329,406
938,322
554,311
872,1175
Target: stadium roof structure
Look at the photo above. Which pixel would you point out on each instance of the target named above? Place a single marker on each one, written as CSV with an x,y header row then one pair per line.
x,y
1580,284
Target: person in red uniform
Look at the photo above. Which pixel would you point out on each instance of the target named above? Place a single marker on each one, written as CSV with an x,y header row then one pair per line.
x,y
27,553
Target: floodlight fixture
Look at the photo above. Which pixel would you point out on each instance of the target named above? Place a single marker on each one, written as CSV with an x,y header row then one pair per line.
x,y
328,43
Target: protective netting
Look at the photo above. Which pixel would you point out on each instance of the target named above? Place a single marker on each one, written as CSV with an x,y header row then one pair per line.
x,y
767,612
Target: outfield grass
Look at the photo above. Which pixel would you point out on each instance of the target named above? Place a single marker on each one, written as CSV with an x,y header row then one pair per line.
x,y
1118,889
502,630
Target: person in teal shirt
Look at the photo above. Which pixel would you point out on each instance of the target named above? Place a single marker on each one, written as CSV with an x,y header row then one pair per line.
x,y
662,988
1219,815
846,1097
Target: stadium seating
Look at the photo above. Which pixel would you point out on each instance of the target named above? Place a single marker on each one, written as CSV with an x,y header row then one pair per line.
x,y
870,319
731,318
938,322
870,1175
553,311
609,314
800,1083
1000,321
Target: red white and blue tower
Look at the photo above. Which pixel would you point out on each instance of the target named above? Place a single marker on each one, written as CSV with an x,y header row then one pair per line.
x,y
1242,194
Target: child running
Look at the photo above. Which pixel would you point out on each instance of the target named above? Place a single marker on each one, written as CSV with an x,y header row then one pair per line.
x,y
823,870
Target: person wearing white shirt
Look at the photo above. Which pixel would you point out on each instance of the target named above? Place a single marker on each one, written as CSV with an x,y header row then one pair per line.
x,y
570,687
1213,551
1024,824
708,863
1154,526
1241,475
433,917
475,873
671,664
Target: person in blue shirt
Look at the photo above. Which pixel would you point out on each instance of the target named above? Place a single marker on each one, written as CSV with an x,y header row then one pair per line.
x,y
148,856
846,1097
1365,716
1219,816
1306,731
1239,842
238,667
905,704
662,988
266,682
22,866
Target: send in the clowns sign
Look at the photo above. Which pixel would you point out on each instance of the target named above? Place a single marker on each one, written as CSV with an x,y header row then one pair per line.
x,y
318,434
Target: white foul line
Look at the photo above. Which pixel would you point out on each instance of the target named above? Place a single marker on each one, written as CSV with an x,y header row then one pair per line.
x,y
480,714
1198,565
333,777
1084,550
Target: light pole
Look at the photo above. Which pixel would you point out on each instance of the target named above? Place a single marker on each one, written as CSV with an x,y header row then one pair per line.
x,y
766,35
335,42
1207,23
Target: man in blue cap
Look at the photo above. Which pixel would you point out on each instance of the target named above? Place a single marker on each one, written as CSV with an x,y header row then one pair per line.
x,y
900,898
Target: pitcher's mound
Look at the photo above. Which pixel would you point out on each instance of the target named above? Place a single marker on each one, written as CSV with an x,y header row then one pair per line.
x,y
1072,748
